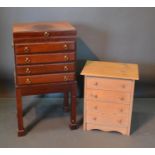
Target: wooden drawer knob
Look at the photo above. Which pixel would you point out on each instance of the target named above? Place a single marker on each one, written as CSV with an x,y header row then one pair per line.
x,y
120,121
95,107
121,110
65,78
123,86
96,84
122,98
65,68
28,81
46,34
95,96
66,58
26,49
65,46
94,118
27,60
28,70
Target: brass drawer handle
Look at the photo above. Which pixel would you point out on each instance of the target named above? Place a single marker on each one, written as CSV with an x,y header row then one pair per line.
x,y
65,46
27,60
66,58
28,70
26,49
65,68
65,78
46,34
28,81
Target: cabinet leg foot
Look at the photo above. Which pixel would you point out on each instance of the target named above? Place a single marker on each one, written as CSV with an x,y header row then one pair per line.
x,y
21,133
73,126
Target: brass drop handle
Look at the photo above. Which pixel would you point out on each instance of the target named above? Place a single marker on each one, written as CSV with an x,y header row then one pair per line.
x,y
65,78
28,81
66,58
46,34
26,49
65,46
28,70
65,68
27,60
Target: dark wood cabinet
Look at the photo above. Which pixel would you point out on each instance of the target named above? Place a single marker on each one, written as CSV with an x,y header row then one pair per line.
x,y
45,62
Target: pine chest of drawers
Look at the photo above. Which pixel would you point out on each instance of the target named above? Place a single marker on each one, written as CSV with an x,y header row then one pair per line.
x,y
45,56
108,98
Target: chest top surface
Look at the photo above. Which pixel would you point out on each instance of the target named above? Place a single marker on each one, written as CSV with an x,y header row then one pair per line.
x,y
111,70
42,26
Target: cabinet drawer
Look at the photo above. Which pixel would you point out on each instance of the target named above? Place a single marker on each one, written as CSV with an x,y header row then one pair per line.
x,y
44,58
108,96
46,78
109,84
45,68
107,120
106,108
44,47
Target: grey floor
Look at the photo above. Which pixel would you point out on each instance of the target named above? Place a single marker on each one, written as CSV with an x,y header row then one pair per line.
x,y
48,126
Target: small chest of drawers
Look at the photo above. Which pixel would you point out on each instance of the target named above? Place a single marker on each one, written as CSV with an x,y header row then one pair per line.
x,y
108,95
45,58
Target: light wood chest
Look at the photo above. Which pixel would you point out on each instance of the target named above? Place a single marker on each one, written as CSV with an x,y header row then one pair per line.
x,y
108,95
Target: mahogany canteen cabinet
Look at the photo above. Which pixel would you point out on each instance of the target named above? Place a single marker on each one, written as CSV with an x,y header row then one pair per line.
x,y
108,95
45,62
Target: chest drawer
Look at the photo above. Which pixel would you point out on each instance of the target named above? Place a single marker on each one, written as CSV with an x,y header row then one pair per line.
x,y
44,47
108,96
45,78
109,84
44,58
107,120
45,68
106,108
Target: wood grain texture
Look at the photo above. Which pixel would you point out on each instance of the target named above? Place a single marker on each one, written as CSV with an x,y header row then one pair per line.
x,y
111,70
109,84
44,47
108,96
44,58
45,68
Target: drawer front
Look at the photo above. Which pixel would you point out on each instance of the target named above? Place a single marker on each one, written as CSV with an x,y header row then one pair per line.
x,y
44,47
108,96
45,68
107,120
44,58
106,108
109,84
46,78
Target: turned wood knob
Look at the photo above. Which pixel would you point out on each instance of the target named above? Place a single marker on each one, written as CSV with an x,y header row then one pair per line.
x,y
27,60
96,84
65,46
95,107
120,121
123,86
65,68
66,58
122,98
28,70
26,49
94,118
46,34
95,96
28,81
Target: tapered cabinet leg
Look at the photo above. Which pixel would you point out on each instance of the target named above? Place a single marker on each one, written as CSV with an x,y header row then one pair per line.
x,y
21,131
73,123
66,101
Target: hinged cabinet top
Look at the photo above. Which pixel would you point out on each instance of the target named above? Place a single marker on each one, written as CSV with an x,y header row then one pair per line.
x,y
111,70
37,28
